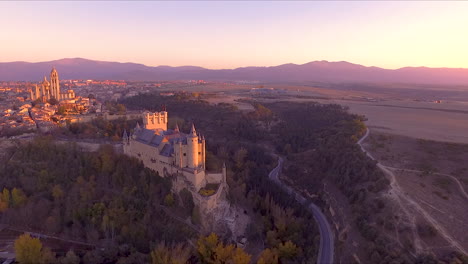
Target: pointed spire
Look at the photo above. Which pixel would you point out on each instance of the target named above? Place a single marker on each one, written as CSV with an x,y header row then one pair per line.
x,y
193,132
176,129
137,125
125,135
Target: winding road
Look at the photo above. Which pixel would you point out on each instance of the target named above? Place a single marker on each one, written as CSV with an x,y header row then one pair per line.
x,y
326,248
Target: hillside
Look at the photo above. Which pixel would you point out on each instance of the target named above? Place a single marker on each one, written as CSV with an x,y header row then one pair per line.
x,y
316,71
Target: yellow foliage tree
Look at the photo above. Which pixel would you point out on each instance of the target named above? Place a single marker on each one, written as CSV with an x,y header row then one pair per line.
x,y
206,247
28,249
268,256
213,251
240,257
18,198
4,200
288,250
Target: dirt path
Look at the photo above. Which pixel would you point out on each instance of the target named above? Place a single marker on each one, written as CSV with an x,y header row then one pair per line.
x,y
462,190
408,204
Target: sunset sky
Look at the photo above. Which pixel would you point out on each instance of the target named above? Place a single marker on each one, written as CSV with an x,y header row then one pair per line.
x,y
237,33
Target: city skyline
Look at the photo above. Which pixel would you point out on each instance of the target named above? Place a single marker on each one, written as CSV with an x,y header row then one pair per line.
x,y
228,35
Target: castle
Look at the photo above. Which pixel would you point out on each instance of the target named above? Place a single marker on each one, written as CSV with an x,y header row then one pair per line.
x,y
172,153
48,90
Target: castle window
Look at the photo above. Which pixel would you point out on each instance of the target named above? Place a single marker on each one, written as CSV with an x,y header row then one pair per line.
x,y
199,153
185,154
153,160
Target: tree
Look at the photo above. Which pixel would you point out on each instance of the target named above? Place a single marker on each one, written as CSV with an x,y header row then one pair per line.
x,y
4,200
239,157
53,101
240,257
206,247
18,198
162,254
47,256
187,199
57,192
28,249
61,110
211,250
121,108
268,256
70,258
287,250
169,200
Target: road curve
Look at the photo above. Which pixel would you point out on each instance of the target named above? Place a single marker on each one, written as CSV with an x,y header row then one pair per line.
x,y
326,248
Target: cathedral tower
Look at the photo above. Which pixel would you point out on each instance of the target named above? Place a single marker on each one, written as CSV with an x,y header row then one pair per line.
x,y
54,84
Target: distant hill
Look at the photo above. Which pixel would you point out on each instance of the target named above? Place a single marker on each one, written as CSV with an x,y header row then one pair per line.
x,y
316,71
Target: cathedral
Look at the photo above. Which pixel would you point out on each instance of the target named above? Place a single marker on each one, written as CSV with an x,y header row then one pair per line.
x,y
171,152
48,90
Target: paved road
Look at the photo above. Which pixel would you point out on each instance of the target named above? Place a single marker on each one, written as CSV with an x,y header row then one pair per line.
x,y
326,247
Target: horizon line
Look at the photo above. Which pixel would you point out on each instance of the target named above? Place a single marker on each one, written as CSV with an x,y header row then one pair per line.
x,y
298,64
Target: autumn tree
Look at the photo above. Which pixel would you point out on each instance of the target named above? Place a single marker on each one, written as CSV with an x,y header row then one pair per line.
x,y
18,198
206,247
28,249
211,250
268,256
288,250
4,200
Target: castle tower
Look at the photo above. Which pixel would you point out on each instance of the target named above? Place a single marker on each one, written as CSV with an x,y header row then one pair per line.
x,y
153,121
192,148
54,84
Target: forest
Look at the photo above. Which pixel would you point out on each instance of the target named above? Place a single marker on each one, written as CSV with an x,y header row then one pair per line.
x,y
130,215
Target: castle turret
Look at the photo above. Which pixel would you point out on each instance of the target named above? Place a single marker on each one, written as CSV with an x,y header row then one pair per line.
x,y
192,148
224,173
125,137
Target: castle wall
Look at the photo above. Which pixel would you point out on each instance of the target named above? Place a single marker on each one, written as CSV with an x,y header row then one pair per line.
x,y
214,177
150,157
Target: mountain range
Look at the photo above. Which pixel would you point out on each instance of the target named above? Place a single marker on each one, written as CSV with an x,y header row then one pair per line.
x,y
316,71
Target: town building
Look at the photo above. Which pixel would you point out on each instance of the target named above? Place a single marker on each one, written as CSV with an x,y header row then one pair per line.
x,y
48,90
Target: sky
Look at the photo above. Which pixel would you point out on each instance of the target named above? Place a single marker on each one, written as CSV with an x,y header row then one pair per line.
x,y
238,33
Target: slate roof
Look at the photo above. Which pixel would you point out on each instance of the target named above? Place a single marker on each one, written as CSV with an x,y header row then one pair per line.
x,y
156,137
